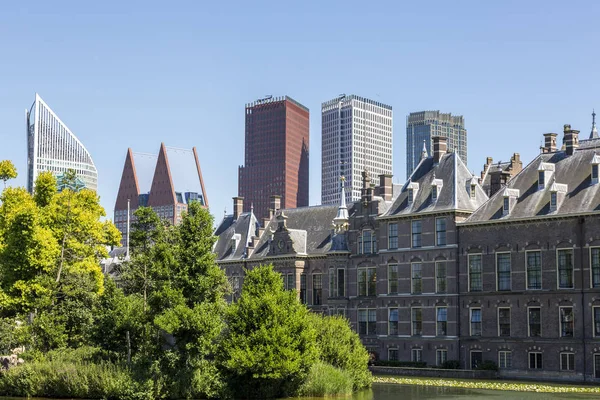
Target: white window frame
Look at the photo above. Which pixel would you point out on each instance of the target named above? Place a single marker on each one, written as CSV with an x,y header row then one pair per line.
x,y
412,278
567,353
412,233
529,324
498,280
390,280
397,236
397,322
445,231
560,321
536,363
416,350
436,320
541,269
500,352
397,353
510,320
469,269
412,330
572,268
437,356
471,321
444,262
591,266
594,322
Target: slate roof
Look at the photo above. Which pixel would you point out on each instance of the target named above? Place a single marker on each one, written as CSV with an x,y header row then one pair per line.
x,y
144,165
453,195
574,171
486,182
246,226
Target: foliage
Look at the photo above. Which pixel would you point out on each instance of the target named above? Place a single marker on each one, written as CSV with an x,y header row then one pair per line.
x,y
451,364
341,347
13,334
7,171
406,364
488,365
269,346
325,380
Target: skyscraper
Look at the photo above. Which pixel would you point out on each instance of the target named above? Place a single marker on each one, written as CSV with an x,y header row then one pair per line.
x,y
356,135
422,125
51,146
276,155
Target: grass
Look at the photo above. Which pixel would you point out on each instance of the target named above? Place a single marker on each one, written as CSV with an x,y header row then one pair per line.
x,y
489,385
325,380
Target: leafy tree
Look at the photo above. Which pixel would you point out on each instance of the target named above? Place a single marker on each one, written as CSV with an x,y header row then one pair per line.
x,y
269,346
45,189
7,171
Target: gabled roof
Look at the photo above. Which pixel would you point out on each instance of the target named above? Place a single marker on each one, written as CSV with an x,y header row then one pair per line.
x,y
573,171
144,165
246,226
454,195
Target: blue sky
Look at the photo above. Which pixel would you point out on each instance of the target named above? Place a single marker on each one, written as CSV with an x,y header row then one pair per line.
x,y
134,73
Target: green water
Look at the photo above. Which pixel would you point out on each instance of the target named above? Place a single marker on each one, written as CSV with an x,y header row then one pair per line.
x,y
387,391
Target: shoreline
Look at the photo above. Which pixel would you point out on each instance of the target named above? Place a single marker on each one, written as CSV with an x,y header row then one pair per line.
x,y
512,386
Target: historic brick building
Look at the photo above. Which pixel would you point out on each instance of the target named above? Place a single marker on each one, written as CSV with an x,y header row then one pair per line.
x,y
276,154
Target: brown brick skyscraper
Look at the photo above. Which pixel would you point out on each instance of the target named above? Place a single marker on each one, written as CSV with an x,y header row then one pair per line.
x,y
276,155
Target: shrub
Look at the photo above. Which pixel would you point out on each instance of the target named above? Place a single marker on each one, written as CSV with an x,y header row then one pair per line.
x,y
451,364
407,364
488,365
326,380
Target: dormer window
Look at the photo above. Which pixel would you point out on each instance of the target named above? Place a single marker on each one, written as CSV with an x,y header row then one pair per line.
x,y
541,183
545,171
436,187
412,189
553,200
557,194
472,187
595,162
473,191
506,205
510,196
434,193
411,194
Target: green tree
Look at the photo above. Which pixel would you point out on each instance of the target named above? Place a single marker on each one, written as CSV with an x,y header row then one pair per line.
x,y
269,345
45,189
7,171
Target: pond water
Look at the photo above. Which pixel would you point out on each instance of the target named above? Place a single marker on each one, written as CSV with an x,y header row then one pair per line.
x,y
387,391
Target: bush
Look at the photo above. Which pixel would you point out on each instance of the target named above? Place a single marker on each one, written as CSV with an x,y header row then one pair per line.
x,y
326,380
407,364
451,364
488,365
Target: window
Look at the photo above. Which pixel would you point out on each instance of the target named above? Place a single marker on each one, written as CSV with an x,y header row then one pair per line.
x,y
535,360
393,321
441,356
504,321
595,266
416,355
317,289
503,271
416,278
534,270
440,231
410,196
336,282
367,280
541,180
567,361
476,358
367,242
416,233
504,359
332,283
441,322
565,269
506,205
594,173
416,321
341,282
393,355
475,282
392,279
434,193
473,191
440,277
535,321
392,236
303,288
566,321
367,321
475,321
553,201
291,282
596,313
372,322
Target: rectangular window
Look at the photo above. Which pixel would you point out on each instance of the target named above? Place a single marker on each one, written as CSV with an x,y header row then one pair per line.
x,y
410,196
475,321
366,239
393,321
440,277
506,205
317,289
372,322
341,282
503,321
596,312
303,288
332,283
595,172
291,282
416,355
475,281
504,359
392,279
535,360
434,193
566,321
392,235
541,176
416,233
553,201
534,270
393,355
441,356
416,321
503,271
441,323
565,269
416,278
476,358
567,361
595,266
362,322
534,316
440,231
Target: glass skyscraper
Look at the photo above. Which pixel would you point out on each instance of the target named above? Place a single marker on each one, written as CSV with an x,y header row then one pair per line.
x,y
421,126
51,146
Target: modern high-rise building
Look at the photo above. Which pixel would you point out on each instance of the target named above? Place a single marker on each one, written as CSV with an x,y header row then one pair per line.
x,y
167,182
356,136
421,126
51,146
276,155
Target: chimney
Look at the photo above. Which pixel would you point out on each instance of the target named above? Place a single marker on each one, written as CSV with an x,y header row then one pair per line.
x,y
549,143
440,147
385,187
516,165
275,204
238,207
571,139
486,166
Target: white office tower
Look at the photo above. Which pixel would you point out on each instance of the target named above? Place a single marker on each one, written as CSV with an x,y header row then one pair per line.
x,y
51,146
356,135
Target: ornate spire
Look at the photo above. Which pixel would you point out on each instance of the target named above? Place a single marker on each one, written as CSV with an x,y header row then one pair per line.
x,y
594,133
340,222
424,151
